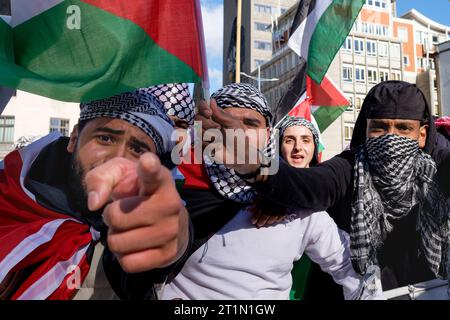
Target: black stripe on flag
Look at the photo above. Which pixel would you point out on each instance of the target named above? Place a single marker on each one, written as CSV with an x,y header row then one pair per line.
x,y
295,90
5,7
303,10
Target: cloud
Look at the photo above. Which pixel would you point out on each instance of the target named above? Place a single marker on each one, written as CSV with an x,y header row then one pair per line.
x,y
213,28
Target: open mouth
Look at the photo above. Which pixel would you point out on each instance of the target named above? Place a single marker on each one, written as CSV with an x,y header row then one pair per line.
x,y
298,157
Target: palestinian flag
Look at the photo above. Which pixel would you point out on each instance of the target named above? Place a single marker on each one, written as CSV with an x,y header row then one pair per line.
x,y
319,29
321,103
81,50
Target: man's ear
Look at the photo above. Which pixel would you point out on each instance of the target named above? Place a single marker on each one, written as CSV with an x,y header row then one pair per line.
x,y
73,140
423,136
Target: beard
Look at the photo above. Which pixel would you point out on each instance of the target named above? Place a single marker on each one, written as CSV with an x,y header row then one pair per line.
x,y
77,187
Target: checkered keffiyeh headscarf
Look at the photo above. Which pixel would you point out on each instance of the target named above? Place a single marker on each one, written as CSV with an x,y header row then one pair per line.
x,y
139,108
289,121
226,181
392,175
176,100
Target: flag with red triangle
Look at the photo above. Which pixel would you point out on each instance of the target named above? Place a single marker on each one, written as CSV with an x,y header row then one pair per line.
x,y
82,50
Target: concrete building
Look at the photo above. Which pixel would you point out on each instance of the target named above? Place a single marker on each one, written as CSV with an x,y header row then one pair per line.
x,y
29,115
420,36
379,47
258,19
443,76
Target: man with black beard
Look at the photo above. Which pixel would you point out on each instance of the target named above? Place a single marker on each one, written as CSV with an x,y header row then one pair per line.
x,y
389,191
96,215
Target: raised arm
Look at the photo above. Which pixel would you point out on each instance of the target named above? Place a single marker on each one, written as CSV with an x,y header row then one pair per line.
x,y
315,188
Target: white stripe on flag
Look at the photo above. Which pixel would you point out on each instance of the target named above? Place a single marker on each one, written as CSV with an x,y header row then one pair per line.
x,y
27,245
53,279
24,10
300,39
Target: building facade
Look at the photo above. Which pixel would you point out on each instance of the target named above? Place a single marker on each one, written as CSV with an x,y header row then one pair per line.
x,y
443,76
31,116
259,18
379,47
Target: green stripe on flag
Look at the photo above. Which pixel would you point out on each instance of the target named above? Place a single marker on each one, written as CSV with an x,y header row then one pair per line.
x,y
329,34
6,43
108,55
326,116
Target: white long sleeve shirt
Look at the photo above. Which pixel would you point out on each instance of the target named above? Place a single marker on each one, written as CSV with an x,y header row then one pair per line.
x,y
241,261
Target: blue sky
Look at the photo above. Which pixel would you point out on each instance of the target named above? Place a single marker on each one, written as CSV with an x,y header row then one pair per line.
x,y
212,11
437,10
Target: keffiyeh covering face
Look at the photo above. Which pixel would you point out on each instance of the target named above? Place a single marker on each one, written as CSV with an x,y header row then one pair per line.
x,y
176,100
391,176
289,121
139,108
226,181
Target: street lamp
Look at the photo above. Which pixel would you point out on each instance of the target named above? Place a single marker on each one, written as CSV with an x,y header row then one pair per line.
x,y
259,79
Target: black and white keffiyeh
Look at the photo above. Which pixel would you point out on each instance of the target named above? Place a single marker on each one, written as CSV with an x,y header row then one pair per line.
x,y
226,181
392,175
176,100
289,121
139,108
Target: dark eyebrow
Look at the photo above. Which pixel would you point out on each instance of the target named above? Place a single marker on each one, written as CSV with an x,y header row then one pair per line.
x,y
378,124
139,143
252,121
109,130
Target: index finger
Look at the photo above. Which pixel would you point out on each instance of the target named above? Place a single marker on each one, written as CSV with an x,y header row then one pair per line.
x,y
101,180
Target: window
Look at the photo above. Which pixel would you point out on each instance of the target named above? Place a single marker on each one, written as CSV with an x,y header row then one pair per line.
x,y
395,75
60,125
347,73
359,46
350,100
360,74
348,131
406,60
432,66
7,129
383,49
262,26
378,30
263,45
395,50
403,34
262,8
419,63
384,75
371,47
358,103
435,39
371,76
347,44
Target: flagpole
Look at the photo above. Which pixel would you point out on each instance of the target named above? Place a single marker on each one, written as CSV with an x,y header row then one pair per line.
x,y
201,90
238,40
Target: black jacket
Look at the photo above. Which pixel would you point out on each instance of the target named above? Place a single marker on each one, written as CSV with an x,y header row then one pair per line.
x,y
329,186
